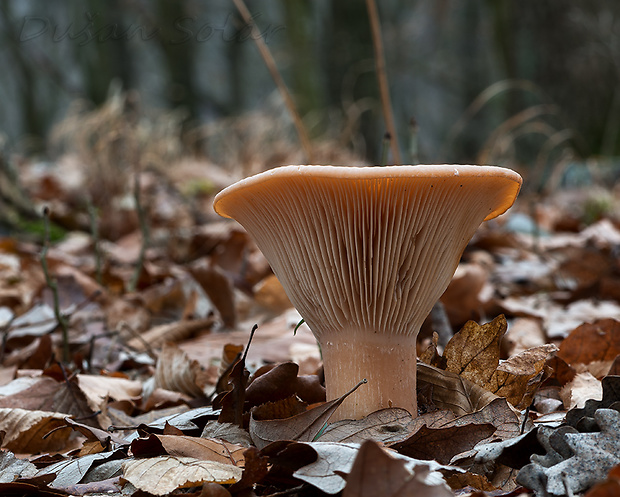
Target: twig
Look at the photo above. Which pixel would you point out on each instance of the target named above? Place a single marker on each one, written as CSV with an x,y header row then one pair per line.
x,y
384,90
277,77
94,228
144,230
51,283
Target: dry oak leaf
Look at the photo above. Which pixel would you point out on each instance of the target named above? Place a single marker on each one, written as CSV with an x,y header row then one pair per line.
x,y
574,461
375,472
165,474
584,417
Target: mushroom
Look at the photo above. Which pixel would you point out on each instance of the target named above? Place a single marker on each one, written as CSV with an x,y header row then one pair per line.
x,y
363,254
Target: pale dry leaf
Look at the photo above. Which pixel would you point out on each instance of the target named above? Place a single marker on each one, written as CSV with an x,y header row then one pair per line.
x,y
12,468
582,388
71,471
524,333
336,460
227,431
597,341
165,474
386,425
98,389
25,430
177,372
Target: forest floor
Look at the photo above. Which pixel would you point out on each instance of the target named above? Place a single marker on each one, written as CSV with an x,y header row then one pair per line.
x,y
116,381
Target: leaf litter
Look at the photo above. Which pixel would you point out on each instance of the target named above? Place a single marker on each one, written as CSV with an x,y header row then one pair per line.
x,y
165,395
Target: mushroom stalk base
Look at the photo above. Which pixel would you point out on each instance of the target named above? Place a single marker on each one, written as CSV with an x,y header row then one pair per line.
x,y
387,362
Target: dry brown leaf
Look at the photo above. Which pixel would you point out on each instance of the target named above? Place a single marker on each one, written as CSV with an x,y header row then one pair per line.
x,y
270,294
25,430
376,473
176,372
303,427
218,286
452,392
519,377
597,341
170,332
98,389
523,334
473,353
165,474
204,449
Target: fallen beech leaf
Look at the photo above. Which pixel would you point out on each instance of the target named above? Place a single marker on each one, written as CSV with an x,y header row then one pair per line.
x,y
453,392
176,372
374,473
165,474
218,286
25,430
303,427
198,448
473,352
386,425
276,384
99,389
597,341
96,434
574,461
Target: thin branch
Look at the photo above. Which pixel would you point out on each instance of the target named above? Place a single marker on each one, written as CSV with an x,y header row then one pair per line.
x,y
384,90
144,230
277,77
51,283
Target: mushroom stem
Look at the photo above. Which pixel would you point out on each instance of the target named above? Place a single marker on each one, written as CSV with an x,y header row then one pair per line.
x,y
387,362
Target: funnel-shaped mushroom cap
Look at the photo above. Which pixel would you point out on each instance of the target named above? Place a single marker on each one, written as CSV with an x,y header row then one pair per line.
x,y
364,253
368,247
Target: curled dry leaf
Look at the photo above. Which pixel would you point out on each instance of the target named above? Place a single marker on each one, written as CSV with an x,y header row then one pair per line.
x,y
375,472
452,392
610,398
100,389
177,372
165,474
25,430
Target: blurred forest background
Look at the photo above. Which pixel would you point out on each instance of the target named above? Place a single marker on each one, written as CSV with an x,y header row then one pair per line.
x,y
530,85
